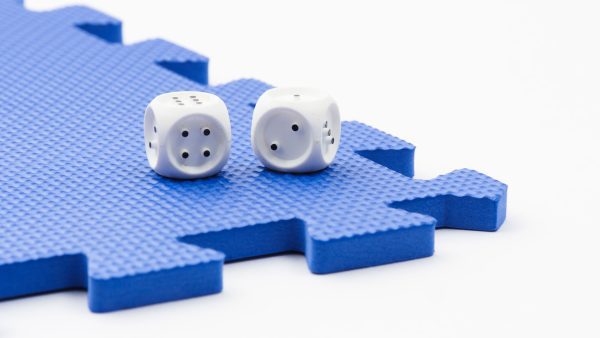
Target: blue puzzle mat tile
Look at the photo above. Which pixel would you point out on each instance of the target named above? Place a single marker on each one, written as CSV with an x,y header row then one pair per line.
x,y
82,209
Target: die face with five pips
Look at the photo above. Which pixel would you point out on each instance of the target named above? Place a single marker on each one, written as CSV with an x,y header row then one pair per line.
x,y
296,129
187,134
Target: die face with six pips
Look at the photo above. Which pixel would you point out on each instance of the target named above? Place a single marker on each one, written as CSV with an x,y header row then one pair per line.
x,y
296,129
187,134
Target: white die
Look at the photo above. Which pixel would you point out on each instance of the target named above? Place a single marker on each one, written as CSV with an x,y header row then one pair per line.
x,y
296,129
187,134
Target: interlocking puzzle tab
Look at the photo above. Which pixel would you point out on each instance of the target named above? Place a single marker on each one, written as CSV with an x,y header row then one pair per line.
x,y
82,209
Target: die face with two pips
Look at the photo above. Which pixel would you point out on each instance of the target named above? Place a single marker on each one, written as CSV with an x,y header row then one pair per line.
x,y
187,134
296,129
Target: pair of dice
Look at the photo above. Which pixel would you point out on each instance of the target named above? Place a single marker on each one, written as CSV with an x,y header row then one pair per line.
x,y
188,134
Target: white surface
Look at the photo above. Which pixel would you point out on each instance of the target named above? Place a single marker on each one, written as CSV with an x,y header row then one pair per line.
x,y
510,88
312,145
174,134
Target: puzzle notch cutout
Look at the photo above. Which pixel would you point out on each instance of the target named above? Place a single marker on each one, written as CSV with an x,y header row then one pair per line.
x,y
82,209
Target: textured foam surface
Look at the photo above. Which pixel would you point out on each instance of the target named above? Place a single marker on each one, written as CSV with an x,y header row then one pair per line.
x,y
81,208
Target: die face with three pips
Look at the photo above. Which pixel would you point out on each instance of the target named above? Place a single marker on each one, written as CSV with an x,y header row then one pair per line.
x,y
296,129
187,134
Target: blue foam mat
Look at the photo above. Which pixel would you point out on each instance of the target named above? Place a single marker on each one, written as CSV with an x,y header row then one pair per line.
x,y
82,209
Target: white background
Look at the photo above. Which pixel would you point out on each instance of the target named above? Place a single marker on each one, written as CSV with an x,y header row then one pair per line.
x,y
510,88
